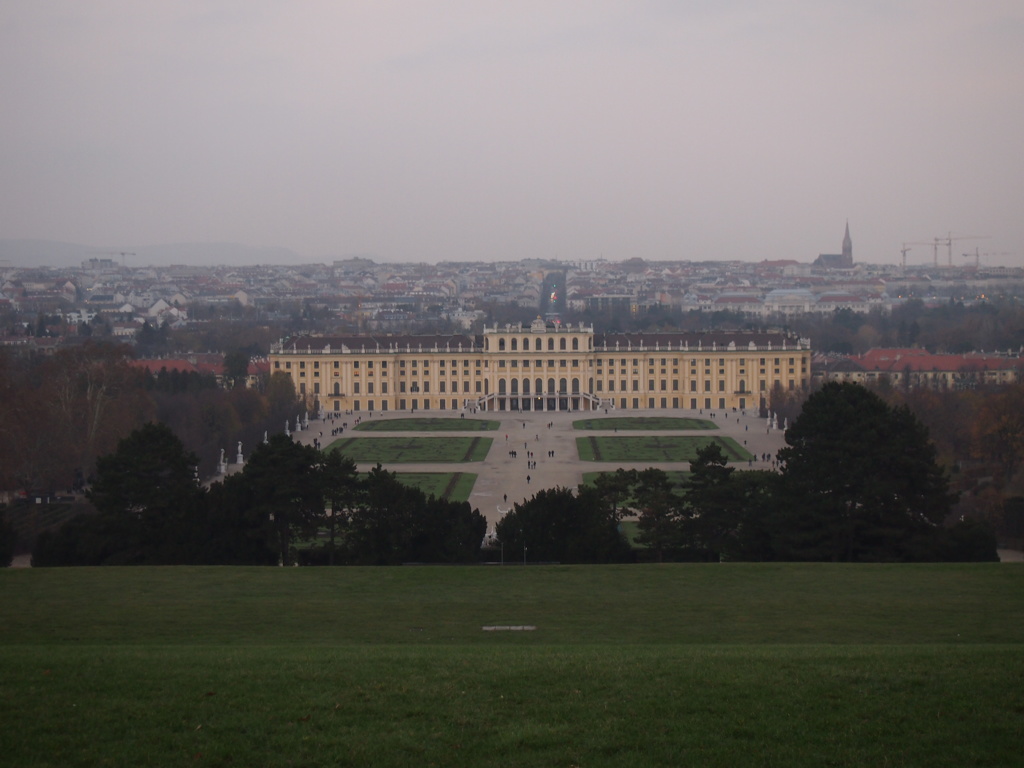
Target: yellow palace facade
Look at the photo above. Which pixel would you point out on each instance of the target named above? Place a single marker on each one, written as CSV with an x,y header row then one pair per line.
x,y
544,366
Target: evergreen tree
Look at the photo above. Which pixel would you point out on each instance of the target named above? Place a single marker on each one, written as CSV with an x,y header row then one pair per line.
x,y
233,530
341,491
147,506
285,481
860,481
236,367
558,525
658,511
8,538
712,509
392,523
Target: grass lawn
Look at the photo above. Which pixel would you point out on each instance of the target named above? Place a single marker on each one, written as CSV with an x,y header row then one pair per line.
x,y
721,665
654,448
29,519
631,529
454,486
644,422
675,476
426,425
412,450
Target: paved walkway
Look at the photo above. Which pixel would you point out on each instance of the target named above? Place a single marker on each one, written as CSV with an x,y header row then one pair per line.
x,y
499,475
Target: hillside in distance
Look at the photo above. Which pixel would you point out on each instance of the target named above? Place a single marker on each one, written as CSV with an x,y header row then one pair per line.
x,y
53,253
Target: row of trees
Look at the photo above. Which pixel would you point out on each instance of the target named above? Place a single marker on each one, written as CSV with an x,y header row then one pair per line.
x,y
979,437
289,498
859,483
59,413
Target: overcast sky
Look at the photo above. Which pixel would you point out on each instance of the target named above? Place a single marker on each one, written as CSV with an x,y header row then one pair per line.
x,y
475,130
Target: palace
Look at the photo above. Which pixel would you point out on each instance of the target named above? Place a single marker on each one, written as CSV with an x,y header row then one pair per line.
x,y
545,366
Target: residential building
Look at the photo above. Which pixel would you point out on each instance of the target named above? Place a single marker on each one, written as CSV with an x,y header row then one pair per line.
x,y
914,368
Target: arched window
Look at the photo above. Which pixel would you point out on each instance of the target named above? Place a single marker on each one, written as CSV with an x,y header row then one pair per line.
x,y
501,345
337,388
501,386
526,345
539,388
561,343
515,342
575,344
515,386
575,386
551,344
551,386
537,346
561,385
526,386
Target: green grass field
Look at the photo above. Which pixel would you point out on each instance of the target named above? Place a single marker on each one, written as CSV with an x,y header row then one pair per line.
x,y
455,486
719,665
654,448
675,476
427,425
644,422
29,519
412,450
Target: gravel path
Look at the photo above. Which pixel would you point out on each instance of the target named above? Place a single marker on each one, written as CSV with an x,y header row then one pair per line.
x,y
500,476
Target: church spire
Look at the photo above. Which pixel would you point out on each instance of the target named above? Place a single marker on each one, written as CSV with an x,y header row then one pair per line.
x,y
847,247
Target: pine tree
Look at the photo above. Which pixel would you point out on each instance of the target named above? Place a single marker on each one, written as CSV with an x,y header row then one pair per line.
x,y
860,481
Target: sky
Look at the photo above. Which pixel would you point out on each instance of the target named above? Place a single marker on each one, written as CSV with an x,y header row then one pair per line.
x,y
479,130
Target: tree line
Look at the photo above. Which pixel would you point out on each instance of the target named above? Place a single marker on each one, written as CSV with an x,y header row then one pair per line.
x,y
945,325
859,482
59,413
290,503
978,437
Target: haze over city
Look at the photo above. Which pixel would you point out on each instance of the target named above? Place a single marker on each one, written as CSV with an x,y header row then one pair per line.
x,y
453,130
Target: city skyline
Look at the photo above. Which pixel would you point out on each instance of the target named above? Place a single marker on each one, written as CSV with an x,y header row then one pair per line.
x,y
744,130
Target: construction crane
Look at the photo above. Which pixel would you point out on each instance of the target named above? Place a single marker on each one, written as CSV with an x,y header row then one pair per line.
x,y
977,256
948,242
904,250
122,254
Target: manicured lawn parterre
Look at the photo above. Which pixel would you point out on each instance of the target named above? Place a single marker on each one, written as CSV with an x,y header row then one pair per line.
x,y
29,519
412,450
675,476
654,448
644,422
454,486
427,425
719,665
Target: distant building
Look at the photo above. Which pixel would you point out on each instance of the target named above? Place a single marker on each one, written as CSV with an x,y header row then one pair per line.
x,y
842,260
545,366
913,368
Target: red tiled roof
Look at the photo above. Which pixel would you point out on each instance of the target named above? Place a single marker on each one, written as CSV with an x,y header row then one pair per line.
x,y
923,360
154,366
